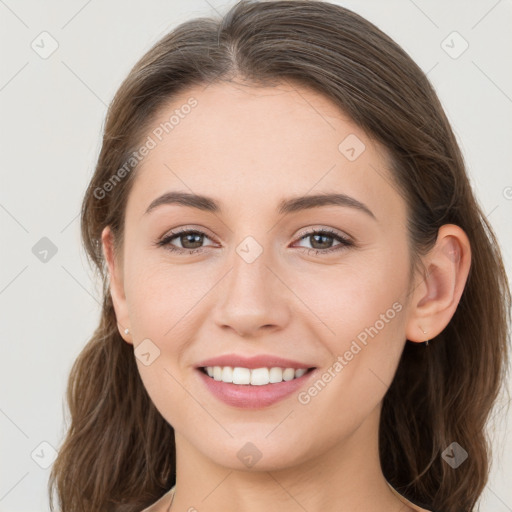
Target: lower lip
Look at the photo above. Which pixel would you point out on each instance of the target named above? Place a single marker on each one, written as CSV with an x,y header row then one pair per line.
x,y
253,397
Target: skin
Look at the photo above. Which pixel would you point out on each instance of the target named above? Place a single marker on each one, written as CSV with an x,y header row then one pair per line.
x,y
249,147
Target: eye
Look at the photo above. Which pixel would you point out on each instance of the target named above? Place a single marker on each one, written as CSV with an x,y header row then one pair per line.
x,y
190,240
322,241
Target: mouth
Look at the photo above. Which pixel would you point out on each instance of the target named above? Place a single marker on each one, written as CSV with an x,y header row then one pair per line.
x,y
241,376
254,388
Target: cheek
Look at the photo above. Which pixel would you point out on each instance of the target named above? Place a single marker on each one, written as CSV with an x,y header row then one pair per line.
x,y
361,305
358,299
366,309
161,299
160,294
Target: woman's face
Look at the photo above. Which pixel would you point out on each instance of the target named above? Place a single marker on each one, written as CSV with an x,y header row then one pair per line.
x,y
269,273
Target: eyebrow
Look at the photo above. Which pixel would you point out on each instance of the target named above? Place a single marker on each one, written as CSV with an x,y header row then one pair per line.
x,y
286,206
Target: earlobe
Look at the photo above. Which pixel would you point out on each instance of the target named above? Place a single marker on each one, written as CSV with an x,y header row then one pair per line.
x,y
116,284
436,298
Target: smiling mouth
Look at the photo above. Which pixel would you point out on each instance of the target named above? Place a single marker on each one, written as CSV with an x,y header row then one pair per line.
x,y
253,377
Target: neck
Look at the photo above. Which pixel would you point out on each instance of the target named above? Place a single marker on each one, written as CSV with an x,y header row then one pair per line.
x,y
347,476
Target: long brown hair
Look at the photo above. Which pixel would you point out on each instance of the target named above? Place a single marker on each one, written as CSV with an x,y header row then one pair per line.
x,y
119,452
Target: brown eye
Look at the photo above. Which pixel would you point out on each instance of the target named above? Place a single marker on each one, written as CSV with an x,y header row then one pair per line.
x,y
322,241
190,240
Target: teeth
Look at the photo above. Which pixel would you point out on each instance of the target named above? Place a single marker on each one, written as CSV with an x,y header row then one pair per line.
x,y
254,377
275,375
227,374
241,376
259,376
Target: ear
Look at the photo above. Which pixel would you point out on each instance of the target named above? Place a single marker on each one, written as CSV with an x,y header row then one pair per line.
x,y
436,297
116,284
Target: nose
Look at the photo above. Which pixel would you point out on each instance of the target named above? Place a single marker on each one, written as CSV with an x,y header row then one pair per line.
x,y
252,300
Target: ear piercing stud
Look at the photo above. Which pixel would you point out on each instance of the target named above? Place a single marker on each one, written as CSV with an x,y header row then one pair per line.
x,y
127,331
426,341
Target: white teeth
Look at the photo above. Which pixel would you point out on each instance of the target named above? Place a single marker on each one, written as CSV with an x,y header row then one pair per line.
x,y
259,377
254,377
275,375
289,374
227,374
217,373
241,376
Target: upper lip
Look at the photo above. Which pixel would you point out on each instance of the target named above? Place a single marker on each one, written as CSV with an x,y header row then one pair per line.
x,y
259,361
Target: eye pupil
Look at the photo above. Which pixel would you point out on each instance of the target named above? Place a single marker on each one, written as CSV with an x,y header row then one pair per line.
x,y
323,245
189,237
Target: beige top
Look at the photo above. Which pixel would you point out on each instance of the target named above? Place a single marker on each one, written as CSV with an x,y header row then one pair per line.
x,y
165,502
406,501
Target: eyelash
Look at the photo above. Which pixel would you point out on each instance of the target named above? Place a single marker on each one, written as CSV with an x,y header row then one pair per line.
x,y
344,242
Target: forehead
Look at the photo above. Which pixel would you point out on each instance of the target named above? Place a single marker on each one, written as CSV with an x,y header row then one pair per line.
x,y
251,145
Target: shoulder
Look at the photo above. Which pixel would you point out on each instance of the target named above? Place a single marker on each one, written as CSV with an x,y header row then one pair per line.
x,y
410,504
162,504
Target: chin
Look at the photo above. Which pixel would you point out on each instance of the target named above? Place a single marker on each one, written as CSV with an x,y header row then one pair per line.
x,y
252,453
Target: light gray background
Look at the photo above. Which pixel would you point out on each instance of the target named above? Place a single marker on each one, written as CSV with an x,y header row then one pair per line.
x,y
52,113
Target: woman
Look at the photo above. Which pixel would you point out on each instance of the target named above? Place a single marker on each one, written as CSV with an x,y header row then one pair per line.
x,y
304,306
